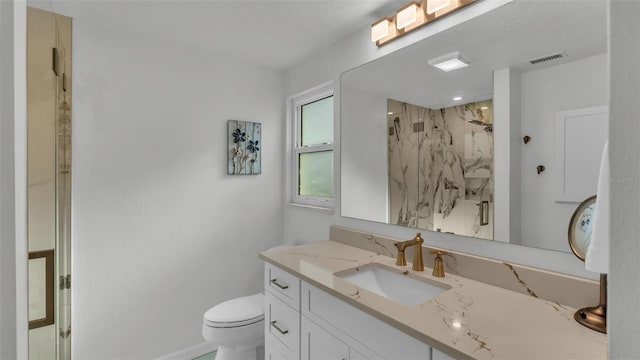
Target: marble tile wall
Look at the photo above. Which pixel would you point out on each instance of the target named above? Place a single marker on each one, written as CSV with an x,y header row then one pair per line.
x,y
441,167
564,290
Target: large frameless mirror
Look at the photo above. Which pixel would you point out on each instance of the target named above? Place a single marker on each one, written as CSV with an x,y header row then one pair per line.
x,y
444,151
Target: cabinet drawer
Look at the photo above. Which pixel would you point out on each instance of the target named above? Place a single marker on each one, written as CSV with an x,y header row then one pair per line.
x,y
374,334
283,285
282,326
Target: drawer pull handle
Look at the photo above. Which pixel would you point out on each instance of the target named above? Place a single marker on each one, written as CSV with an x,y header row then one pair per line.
x,y
276,283
283,332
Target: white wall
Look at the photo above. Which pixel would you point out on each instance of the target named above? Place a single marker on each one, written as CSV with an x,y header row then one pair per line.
x,y
7,228
624,128
506,130
569,86
365,171
160,232
13,243
302,225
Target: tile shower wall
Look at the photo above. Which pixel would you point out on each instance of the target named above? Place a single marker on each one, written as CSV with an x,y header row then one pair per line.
x,y
441,167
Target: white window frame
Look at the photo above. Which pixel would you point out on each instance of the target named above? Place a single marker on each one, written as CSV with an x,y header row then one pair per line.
x,y
307,97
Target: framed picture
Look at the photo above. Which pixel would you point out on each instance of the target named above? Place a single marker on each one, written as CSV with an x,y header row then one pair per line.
x,y
244,148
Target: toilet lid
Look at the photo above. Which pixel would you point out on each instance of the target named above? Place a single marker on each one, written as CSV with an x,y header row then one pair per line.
x,y
236,312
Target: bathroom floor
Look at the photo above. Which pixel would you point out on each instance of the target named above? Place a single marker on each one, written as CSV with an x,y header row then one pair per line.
x,y
209,356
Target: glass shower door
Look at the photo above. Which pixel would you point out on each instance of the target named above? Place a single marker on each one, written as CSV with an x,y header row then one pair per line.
x,y
49,183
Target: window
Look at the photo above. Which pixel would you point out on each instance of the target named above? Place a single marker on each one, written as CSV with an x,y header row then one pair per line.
x,y
313,148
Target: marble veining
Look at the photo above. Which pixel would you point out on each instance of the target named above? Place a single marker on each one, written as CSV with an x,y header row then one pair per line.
x,y
472,320
523,279
440,167
379,246
515,273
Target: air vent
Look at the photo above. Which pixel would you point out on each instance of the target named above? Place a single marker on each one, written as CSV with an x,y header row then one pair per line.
x,y
547,58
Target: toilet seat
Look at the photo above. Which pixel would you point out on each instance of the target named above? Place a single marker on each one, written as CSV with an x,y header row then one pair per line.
x,y
237,312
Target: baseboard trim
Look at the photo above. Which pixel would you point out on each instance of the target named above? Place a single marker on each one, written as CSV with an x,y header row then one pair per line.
x,y
190,352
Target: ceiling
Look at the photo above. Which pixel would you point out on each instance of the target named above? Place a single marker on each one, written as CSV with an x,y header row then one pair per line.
x,y
274,34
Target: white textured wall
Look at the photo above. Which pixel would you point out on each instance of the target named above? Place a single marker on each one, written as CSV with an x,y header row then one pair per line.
x,y
7,228
569,86
302,225
506,130
624,130
13,181
365,193
160,232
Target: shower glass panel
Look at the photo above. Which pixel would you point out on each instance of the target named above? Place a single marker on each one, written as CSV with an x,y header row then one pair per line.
x,y
49,183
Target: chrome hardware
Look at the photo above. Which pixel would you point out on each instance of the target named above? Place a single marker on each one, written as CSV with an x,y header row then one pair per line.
x,y
484,212
65,282
283,332
55,62
276,283
65,334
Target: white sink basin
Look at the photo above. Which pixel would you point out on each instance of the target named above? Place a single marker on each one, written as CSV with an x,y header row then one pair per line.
x,y
393,284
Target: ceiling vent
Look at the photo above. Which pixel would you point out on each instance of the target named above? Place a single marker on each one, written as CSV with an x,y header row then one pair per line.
x,y
547,58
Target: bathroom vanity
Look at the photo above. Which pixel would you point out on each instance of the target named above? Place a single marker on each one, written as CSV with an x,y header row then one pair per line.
x,y
315,310
304,322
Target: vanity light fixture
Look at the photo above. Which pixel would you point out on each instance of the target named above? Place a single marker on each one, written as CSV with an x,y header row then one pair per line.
x,y
413,16
450,62
381,29
409,15
457,98
435,5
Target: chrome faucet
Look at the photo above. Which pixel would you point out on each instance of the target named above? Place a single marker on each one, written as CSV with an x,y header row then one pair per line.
x,y
418,264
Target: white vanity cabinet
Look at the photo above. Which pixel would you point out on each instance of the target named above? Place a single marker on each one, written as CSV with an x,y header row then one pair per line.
x,y
327,328
367,337
281,314
317,343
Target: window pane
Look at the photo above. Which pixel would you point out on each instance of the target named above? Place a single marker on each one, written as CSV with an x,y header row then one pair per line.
x,y
317,122
316,174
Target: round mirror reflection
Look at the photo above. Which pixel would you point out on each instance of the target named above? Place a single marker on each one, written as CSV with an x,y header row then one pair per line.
x,y
581,226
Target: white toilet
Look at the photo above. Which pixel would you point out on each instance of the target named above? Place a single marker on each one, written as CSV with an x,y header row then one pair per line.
x,y
236,326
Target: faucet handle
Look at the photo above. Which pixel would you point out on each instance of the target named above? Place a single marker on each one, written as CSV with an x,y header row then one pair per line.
x,y
438,266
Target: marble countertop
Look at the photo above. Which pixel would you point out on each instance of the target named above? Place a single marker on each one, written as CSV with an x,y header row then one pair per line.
x,y
472,320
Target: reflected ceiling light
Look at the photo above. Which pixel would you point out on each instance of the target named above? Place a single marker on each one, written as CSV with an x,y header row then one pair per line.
x,y
413,16
408,15
389,113
380,29
484,108
450,62
457,98
435,5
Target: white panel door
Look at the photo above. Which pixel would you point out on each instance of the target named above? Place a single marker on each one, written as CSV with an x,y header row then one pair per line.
x,y
580,138
318,344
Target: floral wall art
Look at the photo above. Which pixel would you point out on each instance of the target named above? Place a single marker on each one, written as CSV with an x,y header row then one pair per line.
x,y
244,144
